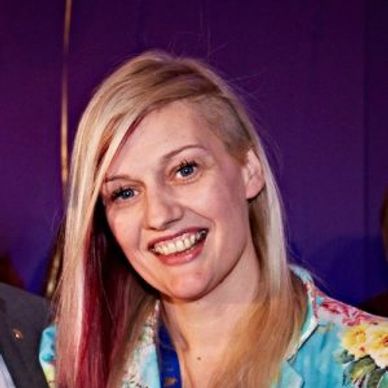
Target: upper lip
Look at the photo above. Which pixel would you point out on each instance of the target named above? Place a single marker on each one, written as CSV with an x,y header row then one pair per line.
x,y
155,241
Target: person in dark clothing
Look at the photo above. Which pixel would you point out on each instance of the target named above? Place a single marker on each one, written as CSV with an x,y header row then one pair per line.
x,y
22,319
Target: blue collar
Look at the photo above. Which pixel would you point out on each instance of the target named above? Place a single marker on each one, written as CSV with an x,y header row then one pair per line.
x,y
170,375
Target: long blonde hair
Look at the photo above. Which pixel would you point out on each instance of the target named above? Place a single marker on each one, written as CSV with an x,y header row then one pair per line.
x,y
103,304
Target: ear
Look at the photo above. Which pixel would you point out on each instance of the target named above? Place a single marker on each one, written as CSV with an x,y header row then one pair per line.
x,y
252,175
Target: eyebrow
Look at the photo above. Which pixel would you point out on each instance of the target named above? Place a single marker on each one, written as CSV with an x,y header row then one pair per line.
x,y
164,158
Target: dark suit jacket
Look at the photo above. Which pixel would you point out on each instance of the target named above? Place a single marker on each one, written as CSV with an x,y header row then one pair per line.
x,y
22,318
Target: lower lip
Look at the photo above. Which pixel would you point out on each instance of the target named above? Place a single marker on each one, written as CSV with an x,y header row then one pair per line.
x,y
179,258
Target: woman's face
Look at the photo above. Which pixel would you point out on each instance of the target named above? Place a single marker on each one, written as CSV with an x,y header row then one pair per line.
x,y
176,202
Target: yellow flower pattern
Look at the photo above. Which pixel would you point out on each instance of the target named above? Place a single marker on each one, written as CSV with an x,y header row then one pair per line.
x,y
368,340
354,340
376,344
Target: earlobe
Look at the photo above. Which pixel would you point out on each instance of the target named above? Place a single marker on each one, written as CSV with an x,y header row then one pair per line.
x,y
253,175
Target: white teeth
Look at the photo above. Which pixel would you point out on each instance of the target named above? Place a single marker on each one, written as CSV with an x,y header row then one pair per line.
x,y
188,243
170,247
181,244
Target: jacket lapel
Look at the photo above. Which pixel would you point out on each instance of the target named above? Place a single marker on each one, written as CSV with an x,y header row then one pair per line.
x,y
289,377
142,371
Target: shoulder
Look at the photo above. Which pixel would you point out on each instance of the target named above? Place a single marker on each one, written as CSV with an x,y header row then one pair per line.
x,y
22,296
341,343
360,340
17,304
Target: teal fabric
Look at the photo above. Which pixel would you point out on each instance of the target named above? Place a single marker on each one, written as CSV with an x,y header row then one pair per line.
x,y
339,346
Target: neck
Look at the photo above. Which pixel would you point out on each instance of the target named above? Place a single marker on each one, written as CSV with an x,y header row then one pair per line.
x,y
206,325
204,328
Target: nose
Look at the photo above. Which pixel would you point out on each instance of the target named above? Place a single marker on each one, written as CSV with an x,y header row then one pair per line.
x,y
162,209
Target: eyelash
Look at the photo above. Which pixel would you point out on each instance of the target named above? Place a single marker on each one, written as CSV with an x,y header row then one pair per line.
x,y
118,194
187,164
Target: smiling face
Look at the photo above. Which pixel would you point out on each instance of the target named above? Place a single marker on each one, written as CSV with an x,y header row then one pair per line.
x,y
176,202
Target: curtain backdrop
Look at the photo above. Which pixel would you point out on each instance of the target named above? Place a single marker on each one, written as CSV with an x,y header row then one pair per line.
x,y
312,72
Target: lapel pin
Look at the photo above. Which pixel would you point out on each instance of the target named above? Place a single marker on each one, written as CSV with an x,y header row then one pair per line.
x,y
18,335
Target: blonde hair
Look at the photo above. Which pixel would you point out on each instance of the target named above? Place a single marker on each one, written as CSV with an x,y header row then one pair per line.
x,y
95,295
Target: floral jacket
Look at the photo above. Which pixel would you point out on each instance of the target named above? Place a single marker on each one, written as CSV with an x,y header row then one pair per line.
x,y
339,346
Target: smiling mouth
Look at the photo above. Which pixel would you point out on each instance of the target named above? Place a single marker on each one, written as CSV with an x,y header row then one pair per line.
x,y
179,244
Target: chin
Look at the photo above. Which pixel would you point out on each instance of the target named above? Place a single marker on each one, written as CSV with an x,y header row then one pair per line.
x,y
184,290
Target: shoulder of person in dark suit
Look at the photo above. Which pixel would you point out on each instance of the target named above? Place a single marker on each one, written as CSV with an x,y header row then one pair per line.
x,y
21,304
23,316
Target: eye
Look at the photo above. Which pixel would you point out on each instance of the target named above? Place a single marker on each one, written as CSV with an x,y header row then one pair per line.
x,y
123,194
187,168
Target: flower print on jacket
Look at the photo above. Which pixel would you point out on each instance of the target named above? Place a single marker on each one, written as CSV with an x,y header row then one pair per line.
x,y
365,354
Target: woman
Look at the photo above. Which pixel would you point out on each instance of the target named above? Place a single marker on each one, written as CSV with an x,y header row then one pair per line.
x,y
175,269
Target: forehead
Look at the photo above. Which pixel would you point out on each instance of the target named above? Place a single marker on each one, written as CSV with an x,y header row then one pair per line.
x,y
164,131
174,122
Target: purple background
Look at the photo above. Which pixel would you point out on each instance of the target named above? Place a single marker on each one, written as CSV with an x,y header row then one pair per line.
x,y
314,73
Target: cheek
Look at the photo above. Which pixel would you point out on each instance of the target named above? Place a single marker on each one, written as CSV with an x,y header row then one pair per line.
x,y
227,207
222,197
128,236
126,230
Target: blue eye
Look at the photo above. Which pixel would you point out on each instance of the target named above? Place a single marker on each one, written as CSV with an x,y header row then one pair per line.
x,y
123,194
187,168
